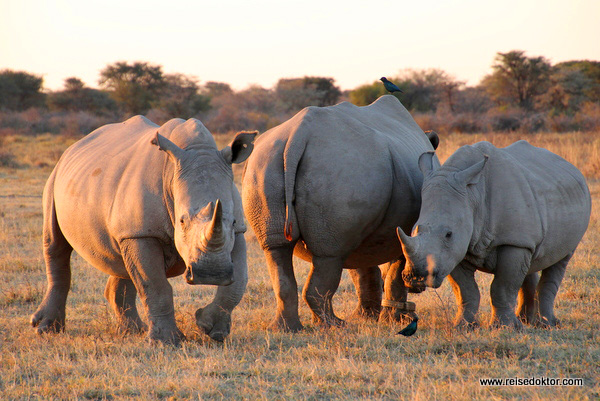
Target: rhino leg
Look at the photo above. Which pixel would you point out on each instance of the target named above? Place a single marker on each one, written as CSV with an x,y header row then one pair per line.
x,y
215,318
367,282
466,292
395,290
50,315
527,305
547,288
322,283
120,294
144,261
281,270
511,268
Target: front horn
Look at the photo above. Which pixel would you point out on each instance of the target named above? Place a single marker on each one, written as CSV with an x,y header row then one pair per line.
x,y
214,232
409,246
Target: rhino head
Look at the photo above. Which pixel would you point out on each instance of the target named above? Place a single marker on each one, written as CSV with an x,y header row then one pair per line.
x,y
201,190
441,236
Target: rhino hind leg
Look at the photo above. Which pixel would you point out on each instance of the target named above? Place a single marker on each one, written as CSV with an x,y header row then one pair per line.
x,y
50,315
466,292
120,294
281,270
527,305
546,291
511,269
368,284
144,261
322,283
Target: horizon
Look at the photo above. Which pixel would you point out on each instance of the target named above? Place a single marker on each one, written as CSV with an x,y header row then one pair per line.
x,y
245,44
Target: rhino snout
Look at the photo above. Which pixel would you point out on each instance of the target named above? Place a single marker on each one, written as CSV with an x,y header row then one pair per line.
x,y
418,279
211,276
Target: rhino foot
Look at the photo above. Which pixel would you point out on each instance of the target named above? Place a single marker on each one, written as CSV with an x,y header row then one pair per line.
x,y
511,322
288,326
48,320
390,315
165,334
466,326
367,313
214,321
327,321
545,323
132,326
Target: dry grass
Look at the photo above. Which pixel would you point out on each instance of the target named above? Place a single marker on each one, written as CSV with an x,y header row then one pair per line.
x,y
365,360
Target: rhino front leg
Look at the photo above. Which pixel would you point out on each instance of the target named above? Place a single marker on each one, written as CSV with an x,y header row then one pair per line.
x,y
466,292
322,283
367,282
527,304
215,318
120,294
511,268
144,261
281,270
395,291
547,289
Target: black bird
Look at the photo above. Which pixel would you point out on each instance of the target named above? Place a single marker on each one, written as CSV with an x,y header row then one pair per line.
x,y
410,329
390,86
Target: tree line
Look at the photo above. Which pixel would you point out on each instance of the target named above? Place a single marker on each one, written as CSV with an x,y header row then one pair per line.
x,y
520,92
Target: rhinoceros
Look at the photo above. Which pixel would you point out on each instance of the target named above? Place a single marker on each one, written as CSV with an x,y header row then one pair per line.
x,y
142,216
511,212
330,185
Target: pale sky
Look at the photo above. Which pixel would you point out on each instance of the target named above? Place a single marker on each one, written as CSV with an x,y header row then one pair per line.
x,y
259,41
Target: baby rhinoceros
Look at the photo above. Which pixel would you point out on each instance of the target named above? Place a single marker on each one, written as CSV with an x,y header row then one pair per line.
x,y
511,212
141,216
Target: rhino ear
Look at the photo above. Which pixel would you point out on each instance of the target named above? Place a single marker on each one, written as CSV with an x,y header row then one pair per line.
x,y
240,148
164,144
426,163
471,175
433,138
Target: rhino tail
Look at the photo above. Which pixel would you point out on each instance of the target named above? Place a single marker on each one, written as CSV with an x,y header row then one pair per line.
x,y
292,154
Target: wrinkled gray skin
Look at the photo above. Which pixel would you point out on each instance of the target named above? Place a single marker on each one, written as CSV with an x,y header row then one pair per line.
x,y
511,212
330,185
142,215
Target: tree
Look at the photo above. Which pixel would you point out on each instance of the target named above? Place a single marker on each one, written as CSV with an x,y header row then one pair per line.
x,y
573,84
135,87
517,79
215,89
77,97
367,94
180,98
297,93
425,90
20,90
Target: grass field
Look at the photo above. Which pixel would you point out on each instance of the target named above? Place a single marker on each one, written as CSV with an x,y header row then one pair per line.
x,y
364,360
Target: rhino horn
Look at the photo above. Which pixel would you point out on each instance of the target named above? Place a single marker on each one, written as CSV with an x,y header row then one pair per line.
x,y
409,244
214,232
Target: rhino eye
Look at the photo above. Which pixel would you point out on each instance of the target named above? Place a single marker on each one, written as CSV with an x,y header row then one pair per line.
x,y
234,221
449,234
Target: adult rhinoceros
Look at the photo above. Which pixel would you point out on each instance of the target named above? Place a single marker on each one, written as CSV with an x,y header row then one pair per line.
x,y
142,216
329,185
511,212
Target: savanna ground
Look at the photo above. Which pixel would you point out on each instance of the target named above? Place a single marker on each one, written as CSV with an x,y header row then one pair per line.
x,y
364,360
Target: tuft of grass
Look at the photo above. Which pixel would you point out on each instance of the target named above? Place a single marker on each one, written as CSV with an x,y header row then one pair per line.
x,y
365,360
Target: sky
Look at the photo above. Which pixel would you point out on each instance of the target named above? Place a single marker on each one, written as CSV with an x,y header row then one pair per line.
x,y
246,42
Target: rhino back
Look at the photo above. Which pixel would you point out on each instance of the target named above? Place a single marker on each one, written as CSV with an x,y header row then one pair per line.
x,y
562,198
108,187
357,167
534,199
